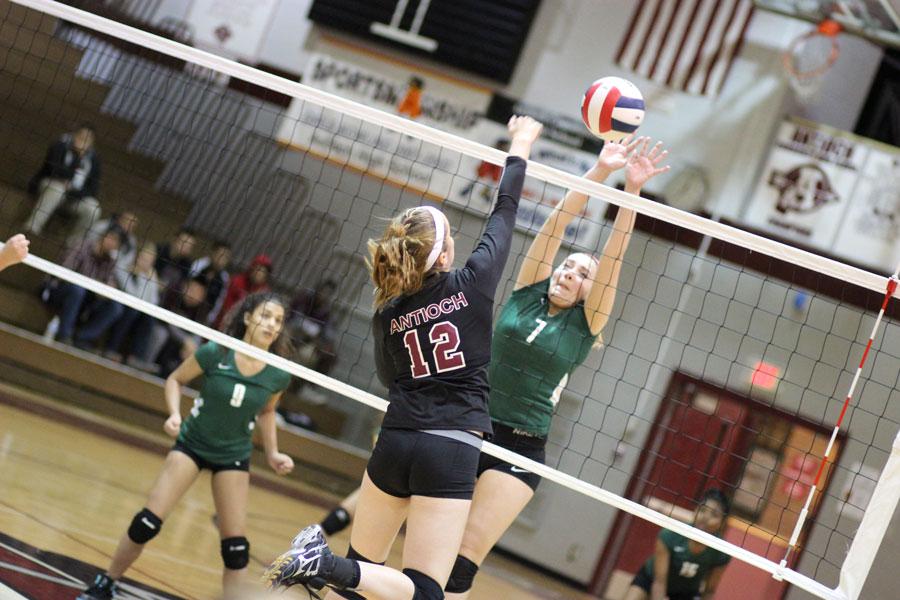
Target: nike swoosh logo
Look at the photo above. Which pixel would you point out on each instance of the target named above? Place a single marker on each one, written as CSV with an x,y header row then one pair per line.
x,y
236,548
518,470
678,549
224,367
147,523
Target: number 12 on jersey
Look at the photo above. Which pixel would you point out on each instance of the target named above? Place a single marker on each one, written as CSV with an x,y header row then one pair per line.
x,y
445,338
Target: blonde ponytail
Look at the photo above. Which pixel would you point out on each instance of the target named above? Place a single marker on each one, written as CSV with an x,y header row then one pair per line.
x,y
397,260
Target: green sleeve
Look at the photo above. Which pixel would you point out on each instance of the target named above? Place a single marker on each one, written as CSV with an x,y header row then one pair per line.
x,y
207,355
721,559
669,538
283,381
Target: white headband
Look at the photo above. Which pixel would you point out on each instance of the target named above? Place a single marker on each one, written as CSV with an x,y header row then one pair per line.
x,y
438,218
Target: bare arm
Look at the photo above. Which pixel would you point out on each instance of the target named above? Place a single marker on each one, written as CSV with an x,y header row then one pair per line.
x,y
661,559
712,582
641,167
14,251
538,263
186,372
280,463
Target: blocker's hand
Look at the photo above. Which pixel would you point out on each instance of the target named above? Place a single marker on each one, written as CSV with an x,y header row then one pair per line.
x,y
281,463
524,129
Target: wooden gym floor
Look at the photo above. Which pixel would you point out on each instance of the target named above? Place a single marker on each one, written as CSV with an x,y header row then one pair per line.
x,y
71,481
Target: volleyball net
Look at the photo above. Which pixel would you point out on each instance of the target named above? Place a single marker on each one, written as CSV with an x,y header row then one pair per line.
x,y
726,363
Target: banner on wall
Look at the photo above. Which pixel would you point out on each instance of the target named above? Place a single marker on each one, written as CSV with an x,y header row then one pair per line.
x,y
831,190
232,28
445,104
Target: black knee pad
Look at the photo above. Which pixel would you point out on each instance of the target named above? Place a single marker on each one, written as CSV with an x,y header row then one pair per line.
x,y
462,576
144,527
426,587
352,553
337,520
235,552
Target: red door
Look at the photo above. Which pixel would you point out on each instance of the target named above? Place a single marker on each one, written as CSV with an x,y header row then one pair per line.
x,y
699,442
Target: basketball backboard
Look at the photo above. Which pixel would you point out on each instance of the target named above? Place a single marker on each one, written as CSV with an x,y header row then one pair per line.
x,y
876,20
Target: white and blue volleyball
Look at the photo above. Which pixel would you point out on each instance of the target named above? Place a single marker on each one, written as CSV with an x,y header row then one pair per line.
x,y
612,108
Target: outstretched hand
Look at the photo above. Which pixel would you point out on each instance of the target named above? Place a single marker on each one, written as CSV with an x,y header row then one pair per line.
x,y
524,128
643,165
614,155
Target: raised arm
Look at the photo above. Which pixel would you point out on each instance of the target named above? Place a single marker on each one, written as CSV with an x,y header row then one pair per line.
x,y
538,263
488,259
642,167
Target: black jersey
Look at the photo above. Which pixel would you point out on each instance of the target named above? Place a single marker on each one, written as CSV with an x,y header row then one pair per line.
x,y
433,347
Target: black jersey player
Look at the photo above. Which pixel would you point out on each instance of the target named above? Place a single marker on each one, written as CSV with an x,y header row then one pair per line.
x,y
432,332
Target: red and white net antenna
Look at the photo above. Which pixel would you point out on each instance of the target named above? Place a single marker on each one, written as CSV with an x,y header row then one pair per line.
x,y
891,288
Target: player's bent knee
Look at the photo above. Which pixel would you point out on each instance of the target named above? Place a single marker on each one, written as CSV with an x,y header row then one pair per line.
x,y
462,576
235,553
144,527
426,587
352,553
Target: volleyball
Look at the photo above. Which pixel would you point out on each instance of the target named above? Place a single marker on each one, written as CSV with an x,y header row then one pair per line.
x,y
612,108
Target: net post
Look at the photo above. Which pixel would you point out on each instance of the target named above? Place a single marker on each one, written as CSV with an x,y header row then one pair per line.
x,y
873,527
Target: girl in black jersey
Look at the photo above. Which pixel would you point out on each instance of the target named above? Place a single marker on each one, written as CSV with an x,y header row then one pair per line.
x,y
432,332
237,393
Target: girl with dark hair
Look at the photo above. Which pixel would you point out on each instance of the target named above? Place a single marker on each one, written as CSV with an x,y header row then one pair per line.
x,y
680,568
237,393
432,333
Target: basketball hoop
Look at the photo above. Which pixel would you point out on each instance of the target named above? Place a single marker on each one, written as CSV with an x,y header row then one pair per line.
x,y
809,57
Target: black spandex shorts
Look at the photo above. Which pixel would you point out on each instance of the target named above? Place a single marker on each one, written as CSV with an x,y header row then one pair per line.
x,y
202,463
529,446
407,462
643,581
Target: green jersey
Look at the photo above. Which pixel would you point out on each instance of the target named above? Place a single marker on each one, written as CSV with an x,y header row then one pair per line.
x,y
220,426
532,355
686,569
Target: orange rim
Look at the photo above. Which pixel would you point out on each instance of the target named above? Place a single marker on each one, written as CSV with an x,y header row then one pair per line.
x,y
787,58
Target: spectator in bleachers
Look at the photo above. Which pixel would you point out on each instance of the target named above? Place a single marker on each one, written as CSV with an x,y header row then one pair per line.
x,y
14,251
68,180
91,259
177,344
174,259
254,279
142,282
127,221
214,270
310,327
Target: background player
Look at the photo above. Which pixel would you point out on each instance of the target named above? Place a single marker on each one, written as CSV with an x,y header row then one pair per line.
x,y
432,331
216,436
14,251
681,567
546,329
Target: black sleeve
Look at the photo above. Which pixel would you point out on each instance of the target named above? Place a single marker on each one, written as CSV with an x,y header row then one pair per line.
x,y
91,187
486,264
55,164
386,374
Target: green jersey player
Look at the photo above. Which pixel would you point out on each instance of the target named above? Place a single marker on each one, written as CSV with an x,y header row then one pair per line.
x,y
546,329
237,392
680,568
